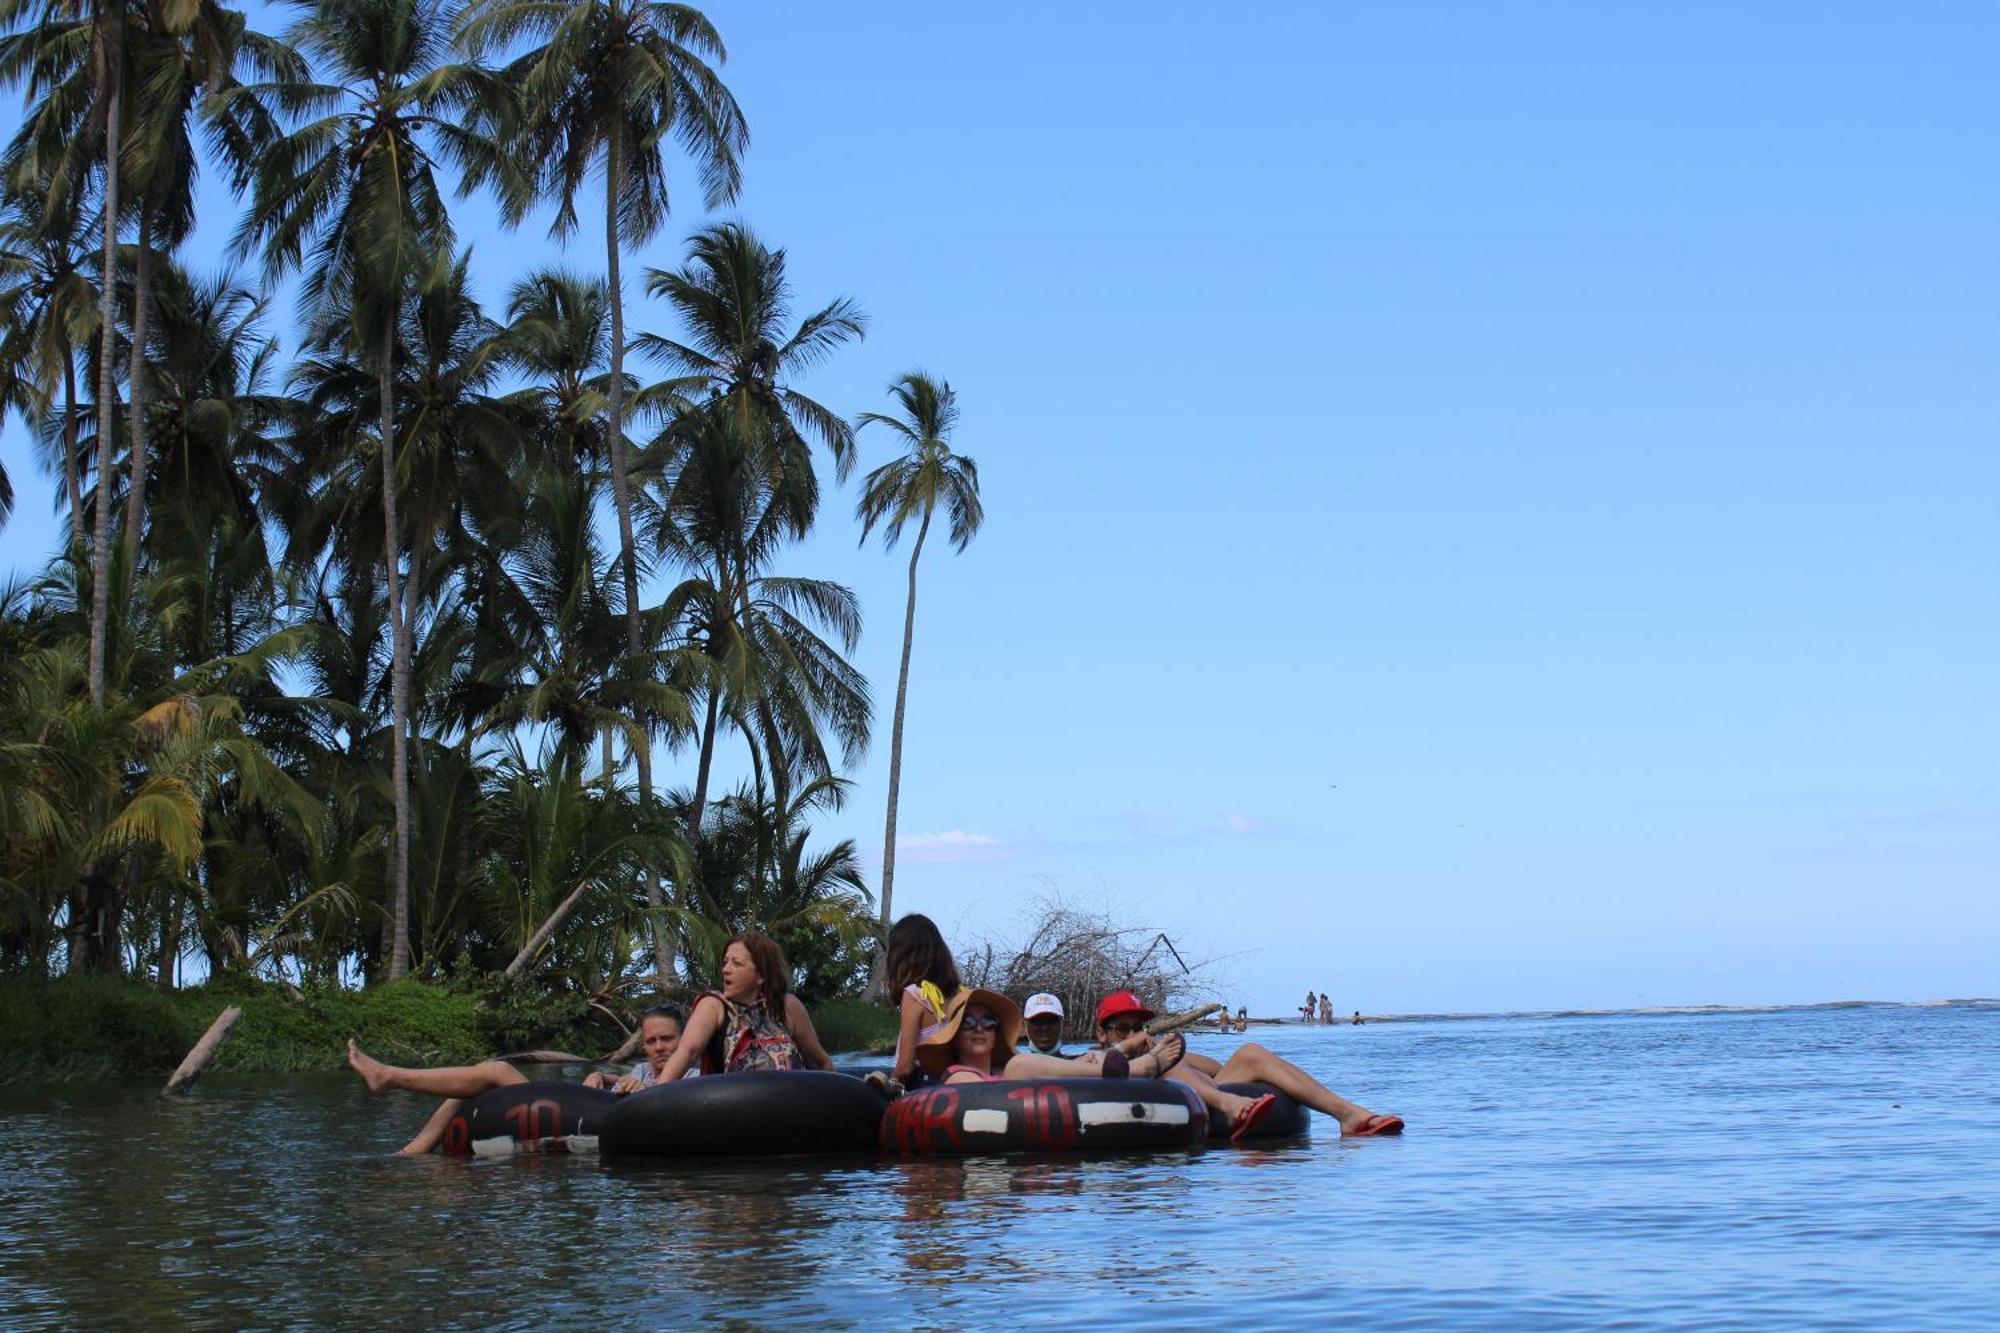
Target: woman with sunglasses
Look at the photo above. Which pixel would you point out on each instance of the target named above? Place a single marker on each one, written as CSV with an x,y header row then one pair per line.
x,y
975,1043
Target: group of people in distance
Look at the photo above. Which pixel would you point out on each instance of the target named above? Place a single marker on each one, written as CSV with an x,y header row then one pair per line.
x,y
947,1033
1320,1010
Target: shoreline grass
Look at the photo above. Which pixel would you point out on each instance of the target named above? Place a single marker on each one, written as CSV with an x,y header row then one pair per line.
x,y
75,1030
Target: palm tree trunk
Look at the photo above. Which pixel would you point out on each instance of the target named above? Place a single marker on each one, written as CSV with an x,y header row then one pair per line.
x,y
135,379
72,473
100,551
896,753
399,668
700,805
170,938
628,554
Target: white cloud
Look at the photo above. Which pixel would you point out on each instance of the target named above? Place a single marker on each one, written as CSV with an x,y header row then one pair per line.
x,y
1238,823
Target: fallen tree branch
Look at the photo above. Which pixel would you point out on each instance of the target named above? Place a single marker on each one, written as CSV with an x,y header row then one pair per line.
x,y
204,1050
535,940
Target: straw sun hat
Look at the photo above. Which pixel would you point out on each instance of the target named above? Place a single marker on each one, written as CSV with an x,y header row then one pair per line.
x,y
935,1051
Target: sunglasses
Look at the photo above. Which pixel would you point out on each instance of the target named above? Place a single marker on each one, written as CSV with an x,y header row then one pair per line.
x,y
1125,1027
981,1023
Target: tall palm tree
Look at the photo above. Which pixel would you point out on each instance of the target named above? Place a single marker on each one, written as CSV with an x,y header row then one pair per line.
x,y
354,189
769,672
183,56
733,298
48,313
72,55
912,487
615,81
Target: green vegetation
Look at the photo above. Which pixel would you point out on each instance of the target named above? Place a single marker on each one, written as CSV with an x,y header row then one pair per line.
x,y
856,1025
337,682
91,1028
105,1027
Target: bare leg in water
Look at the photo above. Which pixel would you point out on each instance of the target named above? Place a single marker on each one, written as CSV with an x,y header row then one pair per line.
x,y
1251,1063
1230,1106
455,1082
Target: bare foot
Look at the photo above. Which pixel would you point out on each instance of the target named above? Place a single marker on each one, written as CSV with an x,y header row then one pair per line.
x,y
1233,1106
373,1072
1166,1053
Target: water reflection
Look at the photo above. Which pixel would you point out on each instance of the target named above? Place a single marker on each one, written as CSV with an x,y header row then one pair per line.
x,y
1837,1167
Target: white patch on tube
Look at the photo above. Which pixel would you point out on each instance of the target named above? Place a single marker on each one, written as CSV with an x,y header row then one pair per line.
x,y
501,1146
984,1122
1126,1113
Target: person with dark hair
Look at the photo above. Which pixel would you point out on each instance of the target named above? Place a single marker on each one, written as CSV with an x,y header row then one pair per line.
x,y
659,1033
753,1022
922,979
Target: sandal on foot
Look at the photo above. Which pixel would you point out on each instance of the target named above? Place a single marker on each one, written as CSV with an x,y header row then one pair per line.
x,y
1116,1064
1378,1127
1252,1116
1166,1053
883,1083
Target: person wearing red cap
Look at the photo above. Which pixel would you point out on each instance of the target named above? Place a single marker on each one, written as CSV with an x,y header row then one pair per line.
x,y
1121,1013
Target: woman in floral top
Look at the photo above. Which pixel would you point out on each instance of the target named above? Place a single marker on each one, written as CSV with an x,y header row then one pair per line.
x,y
754,1022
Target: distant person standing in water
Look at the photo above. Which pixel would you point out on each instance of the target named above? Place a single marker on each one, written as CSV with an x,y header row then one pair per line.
x,y
1357,1018
1325,1008
1310,1004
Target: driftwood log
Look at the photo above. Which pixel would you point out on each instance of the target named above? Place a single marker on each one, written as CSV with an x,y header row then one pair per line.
x,y
1186,1018
204,1051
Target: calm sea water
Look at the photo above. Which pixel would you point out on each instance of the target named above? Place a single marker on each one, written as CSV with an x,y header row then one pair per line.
x,y
1829,1167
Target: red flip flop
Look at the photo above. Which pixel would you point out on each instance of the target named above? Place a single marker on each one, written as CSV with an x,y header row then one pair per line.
x,y
1379,1127
1258,1110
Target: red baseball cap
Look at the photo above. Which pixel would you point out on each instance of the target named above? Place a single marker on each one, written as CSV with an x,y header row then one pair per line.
x,y
1121,1002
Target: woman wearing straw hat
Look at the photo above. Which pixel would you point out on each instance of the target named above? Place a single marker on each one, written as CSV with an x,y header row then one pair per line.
x,y
975,1041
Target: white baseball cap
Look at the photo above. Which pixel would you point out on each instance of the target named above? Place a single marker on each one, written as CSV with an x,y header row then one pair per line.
x,y
1040,1004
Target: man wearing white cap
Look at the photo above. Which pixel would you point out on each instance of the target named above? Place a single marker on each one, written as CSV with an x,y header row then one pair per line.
x,y
1044,1015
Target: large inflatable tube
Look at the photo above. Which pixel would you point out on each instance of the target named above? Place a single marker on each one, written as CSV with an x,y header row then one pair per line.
x,y
1287,1119
734,1115
1046,1115
529,1117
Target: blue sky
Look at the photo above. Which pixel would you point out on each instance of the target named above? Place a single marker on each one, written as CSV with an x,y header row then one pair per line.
x,y
1489,507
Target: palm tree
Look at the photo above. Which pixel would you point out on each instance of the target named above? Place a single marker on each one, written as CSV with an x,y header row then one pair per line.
x,y
47,313
356,190
181,55
616,80
906,488
769,671
72,53
733,298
